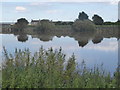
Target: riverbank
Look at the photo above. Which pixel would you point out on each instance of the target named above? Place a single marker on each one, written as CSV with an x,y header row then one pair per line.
x,y
105,31
7,27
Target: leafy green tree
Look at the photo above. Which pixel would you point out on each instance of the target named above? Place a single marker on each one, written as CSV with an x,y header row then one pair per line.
x,y
97,20
82,16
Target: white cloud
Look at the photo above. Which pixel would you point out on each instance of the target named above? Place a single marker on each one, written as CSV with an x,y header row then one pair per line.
x,y
20,8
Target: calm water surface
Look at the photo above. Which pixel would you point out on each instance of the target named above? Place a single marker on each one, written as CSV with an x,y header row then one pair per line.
x,y
104,52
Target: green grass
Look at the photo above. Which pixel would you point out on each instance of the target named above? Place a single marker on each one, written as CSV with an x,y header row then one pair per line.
x,y
49,69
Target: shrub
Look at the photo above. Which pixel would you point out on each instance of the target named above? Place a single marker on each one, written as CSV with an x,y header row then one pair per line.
x,y
49,69
85,25
45,25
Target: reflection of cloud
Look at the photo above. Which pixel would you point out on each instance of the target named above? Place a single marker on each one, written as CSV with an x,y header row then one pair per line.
x,y
20,8
107,46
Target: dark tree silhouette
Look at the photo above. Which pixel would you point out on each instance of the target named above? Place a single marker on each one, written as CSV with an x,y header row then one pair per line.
x,y
82,43
20,24
22,38
97,39
97,20
82,16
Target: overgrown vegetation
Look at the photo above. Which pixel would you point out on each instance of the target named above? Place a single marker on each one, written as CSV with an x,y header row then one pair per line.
x,y
49,69
45,25
83,25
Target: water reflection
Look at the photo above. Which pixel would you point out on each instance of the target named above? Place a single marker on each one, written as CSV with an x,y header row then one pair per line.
x,y
22,38
95,47
83,37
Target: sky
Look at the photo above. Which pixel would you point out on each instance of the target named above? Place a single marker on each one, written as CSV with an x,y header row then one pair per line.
x,y
57,10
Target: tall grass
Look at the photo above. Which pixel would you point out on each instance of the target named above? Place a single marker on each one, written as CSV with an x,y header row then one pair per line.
x,y
50,69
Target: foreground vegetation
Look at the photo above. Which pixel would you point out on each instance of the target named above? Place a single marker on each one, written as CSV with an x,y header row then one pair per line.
x,y
50,69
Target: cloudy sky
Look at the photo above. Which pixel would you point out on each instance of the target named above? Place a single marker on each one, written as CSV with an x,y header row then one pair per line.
x,y
57,9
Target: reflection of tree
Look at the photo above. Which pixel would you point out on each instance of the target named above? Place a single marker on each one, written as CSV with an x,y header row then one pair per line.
x,y
22,38
43,37
97,39
82,43
83,37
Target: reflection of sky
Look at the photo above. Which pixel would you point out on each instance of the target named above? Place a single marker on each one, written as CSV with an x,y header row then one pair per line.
x,y
93,54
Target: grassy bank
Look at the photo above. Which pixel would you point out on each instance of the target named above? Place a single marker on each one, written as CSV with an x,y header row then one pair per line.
x,y
49,69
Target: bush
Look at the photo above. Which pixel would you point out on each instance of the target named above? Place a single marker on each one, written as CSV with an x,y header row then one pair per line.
x,y
45,25
49,69
85,25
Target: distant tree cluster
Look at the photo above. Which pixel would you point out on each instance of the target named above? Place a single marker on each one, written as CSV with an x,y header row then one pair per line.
x,y
63,23
22,21
45,24
20,24
96,19
83,16
112,23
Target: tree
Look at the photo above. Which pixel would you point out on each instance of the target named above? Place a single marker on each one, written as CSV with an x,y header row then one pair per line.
x,y
20,24
97,20
83,16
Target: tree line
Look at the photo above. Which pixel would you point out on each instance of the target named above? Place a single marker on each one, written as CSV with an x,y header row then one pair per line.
x,y
96,19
